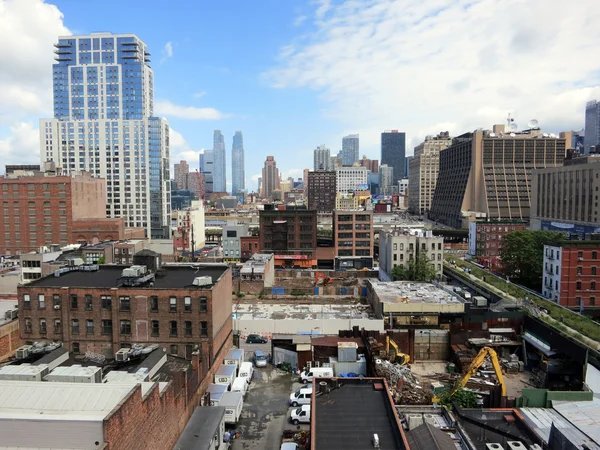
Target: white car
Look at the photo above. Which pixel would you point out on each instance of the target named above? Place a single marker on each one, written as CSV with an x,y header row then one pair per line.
x,y
300,415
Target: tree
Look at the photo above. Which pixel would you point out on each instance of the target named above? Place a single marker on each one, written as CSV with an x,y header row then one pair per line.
x,y
522,254
101,260
465,399
419,269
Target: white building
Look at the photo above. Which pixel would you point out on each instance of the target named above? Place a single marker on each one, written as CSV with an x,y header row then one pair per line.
x,y
191,223
552,273
103,123
322,159
400,247
403,186
349,179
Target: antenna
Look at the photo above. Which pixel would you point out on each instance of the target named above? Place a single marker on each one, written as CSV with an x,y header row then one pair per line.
x,y
533,123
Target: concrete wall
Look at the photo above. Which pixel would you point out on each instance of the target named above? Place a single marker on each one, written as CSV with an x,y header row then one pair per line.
x,y
266,327
8,283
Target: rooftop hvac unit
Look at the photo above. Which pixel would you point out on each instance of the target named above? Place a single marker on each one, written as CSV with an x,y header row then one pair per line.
x,y
202,281
493,447
11,314
23,352
535,447
122,355
375,441
515,445
430,419
414,420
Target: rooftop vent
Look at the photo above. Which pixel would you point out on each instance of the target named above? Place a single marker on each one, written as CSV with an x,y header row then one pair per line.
x,y
202,281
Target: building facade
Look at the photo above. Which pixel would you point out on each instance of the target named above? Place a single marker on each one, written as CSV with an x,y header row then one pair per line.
x,y
397,248
485,241
565,198
270,178
423,172
321,191
371,164
386,179
349,179
592,126
353,234
181,172
219,163
393,152
238,170
103,123
190,234
206,170
350,149
486,175
572,274
322,159
232,244
288,232
249,246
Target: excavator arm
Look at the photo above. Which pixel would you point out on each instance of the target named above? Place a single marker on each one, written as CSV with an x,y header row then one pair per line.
x,y
400,358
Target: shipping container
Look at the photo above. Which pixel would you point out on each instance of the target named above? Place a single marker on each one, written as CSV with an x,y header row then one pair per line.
x,y
225,375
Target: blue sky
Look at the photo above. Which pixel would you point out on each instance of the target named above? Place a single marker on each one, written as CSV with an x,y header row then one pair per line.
x,y
295,74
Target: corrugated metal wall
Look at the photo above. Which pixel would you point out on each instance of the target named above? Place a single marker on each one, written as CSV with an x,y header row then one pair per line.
x,y
432,345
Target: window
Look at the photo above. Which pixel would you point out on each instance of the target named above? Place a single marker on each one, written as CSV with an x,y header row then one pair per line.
x,y
56,301
592,285
41,301
88,302
107,327
26,301
57,326
395,257
580,255
578,300
592,301
89,326
76,348
594,270
203,329
172,304
43,329
73,301
75,326
579,270
28,326
124,304
173,349
594,255
154,304
125,326
187,304
578,285
155,328
203,304
106,302
173,328
188,329
395,246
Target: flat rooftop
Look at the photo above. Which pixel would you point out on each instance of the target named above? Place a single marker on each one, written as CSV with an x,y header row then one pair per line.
x,y
413,292
107,276
249,311
7,305
256,264
346,418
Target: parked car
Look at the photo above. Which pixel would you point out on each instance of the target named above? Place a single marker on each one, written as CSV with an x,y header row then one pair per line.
x,y
302,396
300,415
260,360
256,339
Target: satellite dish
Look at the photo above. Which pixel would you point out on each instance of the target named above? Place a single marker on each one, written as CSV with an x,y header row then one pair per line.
x,y
513,127
512,134
492,134
545,135
533,123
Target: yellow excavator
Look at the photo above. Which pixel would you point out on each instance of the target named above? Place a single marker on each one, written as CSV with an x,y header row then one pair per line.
x,y
475,365
399,358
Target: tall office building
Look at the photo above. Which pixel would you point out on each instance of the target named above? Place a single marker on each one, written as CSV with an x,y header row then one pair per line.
x,y
206,169
393,152
423,172
219,163
350,149
270,177
238,173
592,126
386,179
322,159
103,123
487,175
350,179
321,191
181,172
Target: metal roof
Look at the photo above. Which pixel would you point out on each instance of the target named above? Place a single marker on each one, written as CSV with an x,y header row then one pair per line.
x,y
584,415
201,429
59,401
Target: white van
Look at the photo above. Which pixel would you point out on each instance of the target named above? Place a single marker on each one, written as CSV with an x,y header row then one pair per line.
x,y
239,385
233,403
300,415
319,372
246,371
302,396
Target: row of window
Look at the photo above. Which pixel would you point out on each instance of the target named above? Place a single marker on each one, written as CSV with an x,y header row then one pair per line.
x,y
105,303
106,327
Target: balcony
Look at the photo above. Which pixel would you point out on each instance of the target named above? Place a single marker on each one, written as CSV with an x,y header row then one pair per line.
x,y
62,45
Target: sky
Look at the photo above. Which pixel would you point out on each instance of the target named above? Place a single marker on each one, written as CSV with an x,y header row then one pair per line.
x,y
295,74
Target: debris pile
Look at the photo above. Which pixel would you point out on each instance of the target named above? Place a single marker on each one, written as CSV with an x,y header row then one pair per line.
x,y
404,385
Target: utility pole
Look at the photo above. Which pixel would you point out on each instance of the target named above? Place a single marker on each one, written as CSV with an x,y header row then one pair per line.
x,y
193,242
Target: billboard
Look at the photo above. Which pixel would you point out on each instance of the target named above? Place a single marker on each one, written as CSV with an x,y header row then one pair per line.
x,y
570,228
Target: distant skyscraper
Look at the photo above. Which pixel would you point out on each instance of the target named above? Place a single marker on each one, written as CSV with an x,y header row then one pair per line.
x,y
393,152
386,179
270,177
592,126
219,163
371,164
350,149
237,164
181,171
259,186
407,161
103,123
206,169
322,158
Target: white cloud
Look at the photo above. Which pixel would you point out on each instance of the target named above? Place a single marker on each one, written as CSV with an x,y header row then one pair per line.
x,y
166,108
299,20
200,94
21,146
167,52
424,66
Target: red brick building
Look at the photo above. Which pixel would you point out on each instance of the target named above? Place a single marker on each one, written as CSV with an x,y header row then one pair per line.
x,y
572,274
249,246
485,241
287,232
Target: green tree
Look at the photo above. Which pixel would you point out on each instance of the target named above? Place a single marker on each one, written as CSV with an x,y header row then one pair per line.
x,y
522,254
101,260
465,399
419,269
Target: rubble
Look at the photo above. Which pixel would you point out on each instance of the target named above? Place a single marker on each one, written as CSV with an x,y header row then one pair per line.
x,y
404,385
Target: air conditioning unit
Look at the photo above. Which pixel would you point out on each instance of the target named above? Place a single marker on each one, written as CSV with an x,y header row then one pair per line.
x,y
493,447
202,281
122,355
579,259
23,352
515,445
11,314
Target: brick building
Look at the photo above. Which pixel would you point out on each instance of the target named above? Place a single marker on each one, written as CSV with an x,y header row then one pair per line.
x,y
572,274
291,231
485,240
249,246
9,329
100,311
321,191
353,239
43,210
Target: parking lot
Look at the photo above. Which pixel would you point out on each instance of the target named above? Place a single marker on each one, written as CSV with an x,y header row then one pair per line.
x,y
266,411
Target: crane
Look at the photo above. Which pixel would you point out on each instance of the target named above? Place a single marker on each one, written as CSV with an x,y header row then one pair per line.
x,y
475,365
400,358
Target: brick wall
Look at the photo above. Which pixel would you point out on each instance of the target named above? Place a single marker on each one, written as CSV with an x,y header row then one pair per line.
x,y
9,339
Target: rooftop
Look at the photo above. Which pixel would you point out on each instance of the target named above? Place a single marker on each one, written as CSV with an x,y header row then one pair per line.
x,y
248,311
7,305
347,417
413,292
257,263
201,428
583,415
107,276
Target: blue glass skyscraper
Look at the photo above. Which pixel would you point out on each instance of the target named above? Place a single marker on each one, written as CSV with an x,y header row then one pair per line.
x,y
393,152
219,165
238,173
103,123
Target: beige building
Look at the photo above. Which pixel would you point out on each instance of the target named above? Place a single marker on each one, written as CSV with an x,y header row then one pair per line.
x,y
487,175
353,233
566,197
423,172
347,201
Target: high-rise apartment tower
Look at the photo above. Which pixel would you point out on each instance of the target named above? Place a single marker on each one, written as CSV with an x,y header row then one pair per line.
x,y
393,152
238,174
350,149
219,163
322,159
